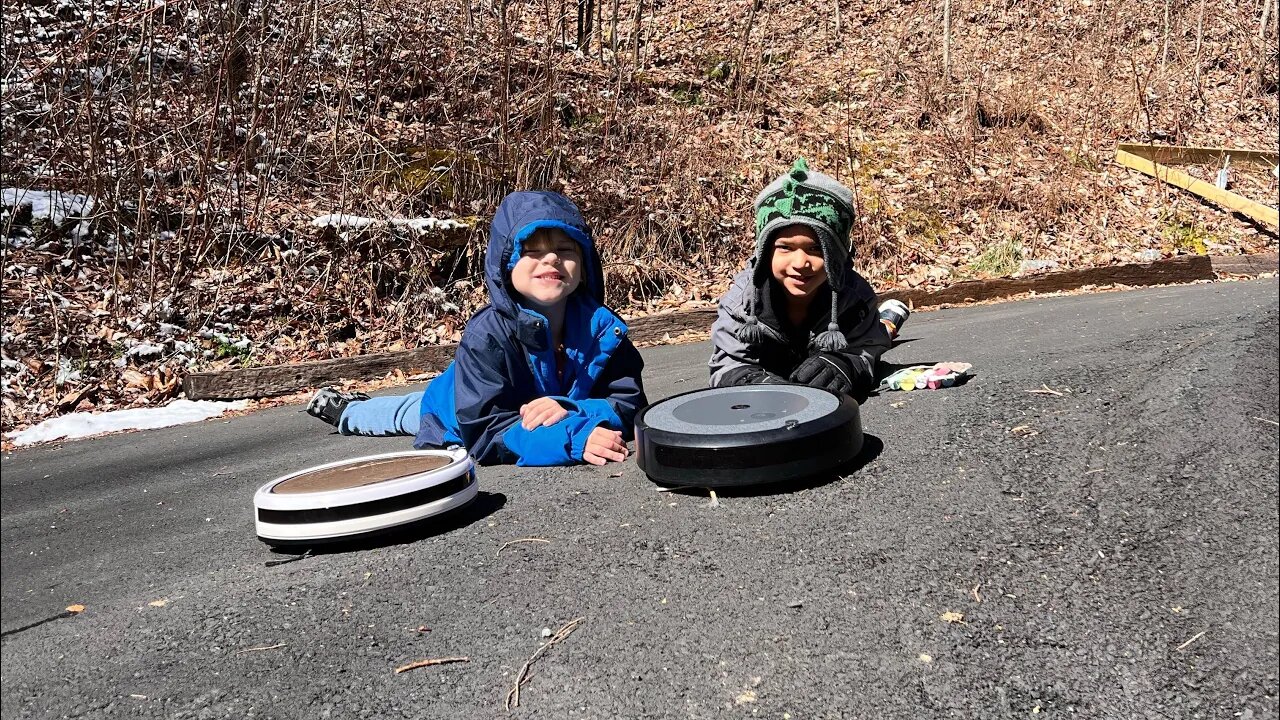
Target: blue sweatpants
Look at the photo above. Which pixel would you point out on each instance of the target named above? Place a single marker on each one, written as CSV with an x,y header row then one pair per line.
x,y
383,416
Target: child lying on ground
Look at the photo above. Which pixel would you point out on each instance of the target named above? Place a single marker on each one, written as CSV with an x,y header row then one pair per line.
x,y
799,312
544,375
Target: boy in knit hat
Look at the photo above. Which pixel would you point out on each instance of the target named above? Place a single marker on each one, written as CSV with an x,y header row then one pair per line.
x,y
799,312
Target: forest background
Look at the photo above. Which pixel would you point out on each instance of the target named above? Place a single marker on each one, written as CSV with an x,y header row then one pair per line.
x,y
195,186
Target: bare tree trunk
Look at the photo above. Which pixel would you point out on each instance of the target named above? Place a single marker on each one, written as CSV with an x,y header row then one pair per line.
x,y
638,34
838,29
1266,17
600,28
946,40
613,32
586,12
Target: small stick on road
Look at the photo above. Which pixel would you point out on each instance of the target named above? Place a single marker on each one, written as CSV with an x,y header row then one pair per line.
x,y
1044,390
1194,638
521,540
513,697
431,661
1273,422
295,558
259,649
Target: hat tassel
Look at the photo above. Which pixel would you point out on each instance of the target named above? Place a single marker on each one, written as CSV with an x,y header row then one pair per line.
x,y
832,340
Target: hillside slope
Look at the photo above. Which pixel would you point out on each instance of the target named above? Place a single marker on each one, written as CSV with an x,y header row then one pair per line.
x,y
202,144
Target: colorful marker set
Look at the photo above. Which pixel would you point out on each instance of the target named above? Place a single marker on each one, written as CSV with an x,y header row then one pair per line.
x,y
926,377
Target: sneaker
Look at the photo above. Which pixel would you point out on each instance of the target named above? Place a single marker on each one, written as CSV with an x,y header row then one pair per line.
x,y
894,314
328,404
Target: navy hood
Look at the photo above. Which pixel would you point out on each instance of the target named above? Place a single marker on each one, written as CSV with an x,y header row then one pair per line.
x,y
518,217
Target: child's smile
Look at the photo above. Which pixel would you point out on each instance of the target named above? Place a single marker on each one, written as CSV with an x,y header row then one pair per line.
x,y
550,276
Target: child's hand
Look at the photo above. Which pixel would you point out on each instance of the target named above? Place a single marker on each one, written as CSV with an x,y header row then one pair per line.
x,y
604,445
543,411
825,370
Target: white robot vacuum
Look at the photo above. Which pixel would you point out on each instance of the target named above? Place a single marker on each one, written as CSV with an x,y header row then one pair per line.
x,y
350,499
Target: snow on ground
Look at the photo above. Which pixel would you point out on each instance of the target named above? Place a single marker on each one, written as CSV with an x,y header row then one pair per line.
x,y
78,425
421,225
52,205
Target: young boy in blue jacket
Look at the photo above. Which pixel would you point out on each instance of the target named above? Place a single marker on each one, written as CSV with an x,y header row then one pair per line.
x,y
544,375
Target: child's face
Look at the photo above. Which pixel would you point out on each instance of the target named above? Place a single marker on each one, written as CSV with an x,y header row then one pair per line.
x,y
549,268
797,261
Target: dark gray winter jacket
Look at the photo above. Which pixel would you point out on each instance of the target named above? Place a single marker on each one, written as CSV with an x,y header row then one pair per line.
x,y
734,362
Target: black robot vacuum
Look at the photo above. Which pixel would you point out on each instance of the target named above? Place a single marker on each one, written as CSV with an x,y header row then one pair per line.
x,y
747,435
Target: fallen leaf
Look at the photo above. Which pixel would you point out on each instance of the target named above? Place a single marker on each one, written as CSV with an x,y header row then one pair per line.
x,y
71,399
748,696
75,609
952,616
926,658
158,603
133,378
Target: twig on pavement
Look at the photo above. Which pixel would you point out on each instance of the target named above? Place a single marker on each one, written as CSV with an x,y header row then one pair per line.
x,y
1194,638
1044,390
295,558
259,649
1273,422
513,696
431,661
521,540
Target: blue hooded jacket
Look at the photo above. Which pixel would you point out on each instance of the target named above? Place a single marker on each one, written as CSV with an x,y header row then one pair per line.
x,y
506,357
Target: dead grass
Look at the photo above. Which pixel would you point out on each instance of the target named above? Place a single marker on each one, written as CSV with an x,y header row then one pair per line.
x,y
211,135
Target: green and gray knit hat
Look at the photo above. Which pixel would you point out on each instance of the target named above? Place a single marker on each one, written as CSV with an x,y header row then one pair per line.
x,y
818,201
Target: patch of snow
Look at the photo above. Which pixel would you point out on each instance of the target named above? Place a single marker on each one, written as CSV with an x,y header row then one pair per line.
x,y
78,425
419,225
1031,266
144,350
53,205
343,221
65,373
427,224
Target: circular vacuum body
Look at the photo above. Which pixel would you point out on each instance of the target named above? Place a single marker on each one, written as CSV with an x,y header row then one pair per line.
x,y
747,435
350,498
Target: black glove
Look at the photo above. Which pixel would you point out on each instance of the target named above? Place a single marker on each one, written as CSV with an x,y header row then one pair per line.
x,y
827,370
750,375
